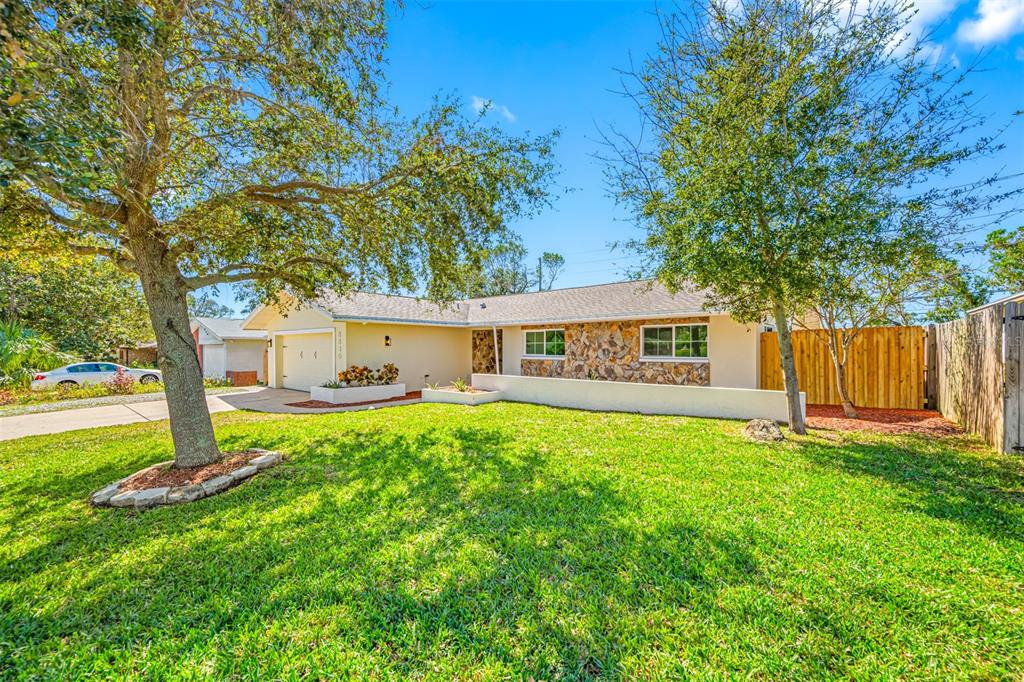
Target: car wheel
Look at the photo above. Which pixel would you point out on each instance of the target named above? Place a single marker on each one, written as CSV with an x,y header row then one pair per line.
x,y
149,379
67,383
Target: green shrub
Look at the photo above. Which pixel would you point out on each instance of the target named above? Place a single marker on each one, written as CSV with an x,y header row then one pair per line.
x,y
24,353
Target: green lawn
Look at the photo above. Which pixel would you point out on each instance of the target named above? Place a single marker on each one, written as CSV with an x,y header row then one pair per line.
x,y
509,541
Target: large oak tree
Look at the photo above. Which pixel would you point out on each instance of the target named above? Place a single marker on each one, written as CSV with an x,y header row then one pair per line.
x,y
786,144
204,142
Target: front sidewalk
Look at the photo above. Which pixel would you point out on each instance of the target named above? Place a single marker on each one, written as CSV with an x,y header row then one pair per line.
x,y
255,398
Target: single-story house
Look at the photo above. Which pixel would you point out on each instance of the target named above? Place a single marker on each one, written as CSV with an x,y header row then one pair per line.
x,y
627,331
140,354
226,350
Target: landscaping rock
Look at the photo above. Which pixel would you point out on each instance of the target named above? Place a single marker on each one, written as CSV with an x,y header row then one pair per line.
x,y
763,431
103,495
188,493
171,493
151,496
264,461
243,472
125,499
215,485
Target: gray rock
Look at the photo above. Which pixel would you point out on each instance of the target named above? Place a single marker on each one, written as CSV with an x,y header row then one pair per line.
x,y
264,461
215,485
763,431
103,495
150,497
125,499
265,452
186,493
244,472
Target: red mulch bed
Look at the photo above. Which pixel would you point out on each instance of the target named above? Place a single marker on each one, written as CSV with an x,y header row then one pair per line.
x,y
411,395
900,422
158,478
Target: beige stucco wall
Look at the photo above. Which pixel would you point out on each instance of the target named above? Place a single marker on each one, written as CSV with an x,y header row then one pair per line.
x,y
732,352
443,353
246,356
300,319
512,350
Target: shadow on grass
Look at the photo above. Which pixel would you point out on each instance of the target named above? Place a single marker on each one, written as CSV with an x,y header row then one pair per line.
x,y
943,481
448,543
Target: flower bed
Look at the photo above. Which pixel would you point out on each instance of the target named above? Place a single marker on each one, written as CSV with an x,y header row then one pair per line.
x,y
356,394
469,396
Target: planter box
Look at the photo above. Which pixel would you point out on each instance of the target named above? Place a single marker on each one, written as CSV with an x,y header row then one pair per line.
x,y
441,395
356,394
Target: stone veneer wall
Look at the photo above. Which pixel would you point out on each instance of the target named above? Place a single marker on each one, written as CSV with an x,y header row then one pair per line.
x,y
483,350
611,350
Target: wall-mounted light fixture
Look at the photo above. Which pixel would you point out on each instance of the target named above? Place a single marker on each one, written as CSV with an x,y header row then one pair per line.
x,y
387,340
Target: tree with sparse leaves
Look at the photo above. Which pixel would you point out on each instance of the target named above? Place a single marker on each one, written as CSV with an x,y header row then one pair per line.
x,y
505,271
203,304
197,144
782,138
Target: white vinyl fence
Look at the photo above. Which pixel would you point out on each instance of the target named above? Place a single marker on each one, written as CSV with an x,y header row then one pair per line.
x,y
619,396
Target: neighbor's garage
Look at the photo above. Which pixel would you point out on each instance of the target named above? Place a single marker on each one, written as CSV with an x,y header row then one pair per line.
x,y
307,360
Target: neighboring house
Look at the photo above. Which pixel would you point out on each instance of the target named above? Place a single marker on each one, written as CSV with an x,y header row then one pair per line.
x,y
226,350
139,354
627,331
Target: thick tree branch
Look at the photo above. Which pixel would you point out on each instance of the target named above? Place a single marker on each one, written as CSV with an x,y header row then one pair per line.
x,y
240,272
94,207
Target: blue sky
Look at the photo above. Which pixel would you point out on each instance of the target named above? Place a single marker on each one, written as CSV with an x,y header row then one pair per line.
x,y
547,65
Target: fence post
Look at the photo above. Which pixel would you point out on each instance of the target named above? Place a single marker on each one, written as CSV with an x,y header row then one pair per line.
x,y
931,363
1013,387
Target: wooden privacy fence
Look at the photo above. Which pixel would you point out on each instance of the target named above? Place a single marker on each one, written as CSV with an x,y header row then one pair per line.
x,y
885,367
975,373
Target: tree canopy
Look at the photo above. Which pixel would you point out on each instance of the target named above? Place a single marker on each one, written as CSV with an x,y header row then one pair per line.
x,y
505,271
197,144
783,136
1006,259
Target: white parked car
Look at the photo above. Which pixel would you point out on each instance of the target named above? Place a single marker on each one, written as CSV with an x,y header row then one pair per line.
x,y
82,373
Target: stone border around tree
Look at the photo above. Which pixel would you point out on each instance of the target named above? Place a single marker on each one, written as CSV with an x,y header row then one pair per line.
x,y
112,496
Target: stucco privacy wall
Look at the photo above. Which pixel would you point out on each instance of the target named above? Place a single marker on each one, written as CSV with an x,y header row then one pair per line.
x,y
444,353
621,396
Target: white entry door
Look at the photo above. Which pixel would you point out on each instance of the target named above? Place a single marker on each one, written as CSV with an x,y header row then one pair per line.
x,y
306,360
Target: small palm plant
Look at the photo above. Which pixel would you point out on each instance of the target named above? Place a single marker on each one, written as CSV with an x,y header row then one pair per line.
x,y
23,353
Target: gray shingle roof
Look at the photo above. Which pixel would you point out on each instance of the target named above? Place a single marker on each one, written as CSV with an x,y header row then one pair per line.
x,y
636,299
229,329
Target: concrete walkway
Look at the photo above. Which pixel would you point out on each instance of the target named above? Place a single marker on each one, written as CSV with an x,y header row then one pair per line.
x,y
256,398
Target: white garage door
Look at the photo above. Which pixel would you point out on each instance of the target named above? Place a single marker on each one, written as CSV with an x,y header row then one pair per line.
x,y
306,360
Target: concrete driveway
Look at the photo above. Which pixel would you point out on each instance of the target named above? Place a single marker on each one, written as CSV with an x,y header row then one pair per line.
x,y
257,398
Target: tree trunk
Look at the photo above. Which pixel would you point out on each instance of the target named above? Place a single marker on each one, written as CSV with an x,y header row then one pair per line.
x,y
840,366
191,428
796,415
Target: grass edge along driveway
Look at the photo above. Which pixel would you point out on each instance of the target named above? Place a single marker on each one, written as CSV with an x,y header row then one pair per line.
x,y
512,540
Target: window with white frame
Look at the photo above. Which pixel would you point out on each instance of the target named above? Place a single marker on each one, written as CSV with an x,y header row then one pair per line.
x,y
545,343
675,342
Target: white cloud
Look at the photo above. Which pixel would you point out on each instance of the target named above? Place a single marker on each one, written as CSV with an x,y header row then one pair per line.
x,y
480,104
994,20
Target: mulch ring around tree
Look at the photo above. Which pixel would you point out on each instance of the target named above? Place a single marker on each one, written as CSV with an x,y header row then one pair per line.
x,y
897,422
161,484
